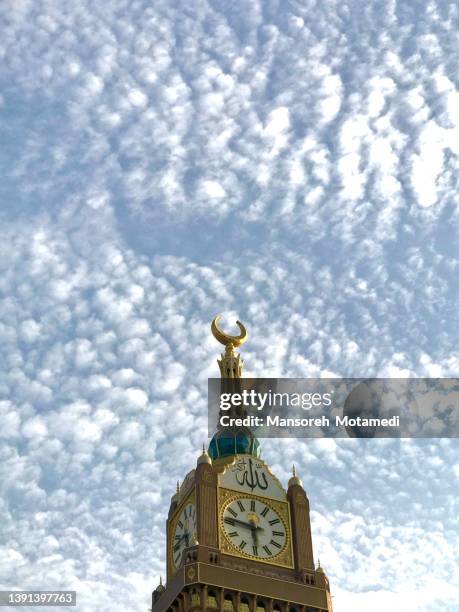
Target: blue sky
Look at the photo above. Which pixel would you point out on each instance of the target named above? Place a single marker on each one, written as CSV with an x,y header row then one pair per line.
x,y
291,164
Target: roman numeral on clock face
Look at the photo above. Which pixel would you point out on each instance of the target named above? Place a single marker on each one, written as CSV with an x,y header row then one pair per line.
x,y
229,521
233,512
252,505
265,511
276,544
279,533
241,507
242,545
267,551
274,522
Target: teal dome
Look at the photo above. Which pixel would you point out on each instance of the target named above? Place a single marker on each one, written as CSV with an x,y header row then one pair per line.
x,y
234,441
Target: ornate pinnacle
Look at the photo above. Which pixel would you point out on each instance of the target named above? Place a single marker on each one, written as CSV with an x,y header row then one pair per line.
x,y
230,363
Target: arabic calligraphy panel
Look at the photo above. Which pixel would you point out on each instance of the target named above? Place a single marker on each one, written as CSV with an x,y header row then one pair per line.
x,y
251,475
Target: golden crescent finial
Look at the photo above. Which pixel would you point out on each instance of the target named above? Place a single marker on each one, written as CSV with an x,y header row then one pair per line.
x,y
226,339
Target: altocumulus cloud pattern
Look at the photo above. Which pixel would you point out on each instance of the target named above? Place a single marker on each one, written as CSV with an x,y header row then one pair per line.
x,y
292,163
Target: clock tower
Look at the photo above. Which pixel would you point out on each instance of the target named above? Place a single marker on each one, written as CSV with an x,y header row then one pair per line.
x,y
236,539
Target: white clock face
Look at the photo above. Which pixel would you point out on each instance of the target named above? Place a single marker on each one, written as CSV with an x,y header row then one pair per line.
x,y
254,528
185,529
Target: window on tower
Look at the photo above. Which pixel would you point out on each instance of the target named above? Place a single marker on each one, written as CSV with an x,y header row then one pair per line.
x,y
244,606
212,600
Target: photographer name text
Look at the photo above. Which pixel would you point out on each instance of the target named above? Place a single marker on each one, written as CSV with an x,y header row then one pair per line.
x,y
323,421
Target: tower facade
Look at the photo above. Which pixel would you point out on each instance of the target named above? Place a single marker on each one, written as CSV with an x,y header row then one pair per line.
x,y
237,540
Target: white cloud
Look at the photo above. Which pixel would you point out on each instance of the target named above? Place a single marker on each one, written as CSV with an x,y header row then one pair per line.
x,y
34,428
137,98
165,166
30,330
213,189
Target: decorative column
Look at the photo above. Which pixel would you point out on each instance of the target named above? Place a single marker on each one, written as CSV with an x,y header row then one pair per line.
x,y
238,601
301,524
206,505
204,598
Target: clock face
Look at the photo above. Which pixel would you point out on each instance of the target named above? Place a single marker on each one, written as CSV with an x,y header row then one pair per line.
x,y
254,528
185,529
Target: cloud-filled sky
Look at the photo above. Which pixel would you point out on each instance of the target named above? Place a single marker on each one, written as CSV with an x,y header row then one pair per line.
x,y
292,164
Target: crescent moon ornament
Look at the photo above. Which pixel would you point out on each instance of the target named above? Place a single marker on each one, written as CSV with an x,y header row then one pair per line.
x,y
226,339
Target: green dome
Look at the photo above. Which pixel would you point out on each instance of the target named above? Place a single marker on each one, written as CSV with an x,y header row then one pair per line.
x,y
234,441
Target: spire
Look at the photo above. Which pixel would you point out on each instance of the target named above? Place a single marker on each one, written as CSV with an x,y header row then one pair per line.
x,y
294,480
230,441
160,588
230,363
204,457
176,494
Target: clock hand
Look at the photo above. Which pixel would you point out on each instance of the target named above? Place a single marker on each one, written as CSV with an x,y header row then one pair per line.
x,y
248,525
185,536
178,542
255,535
